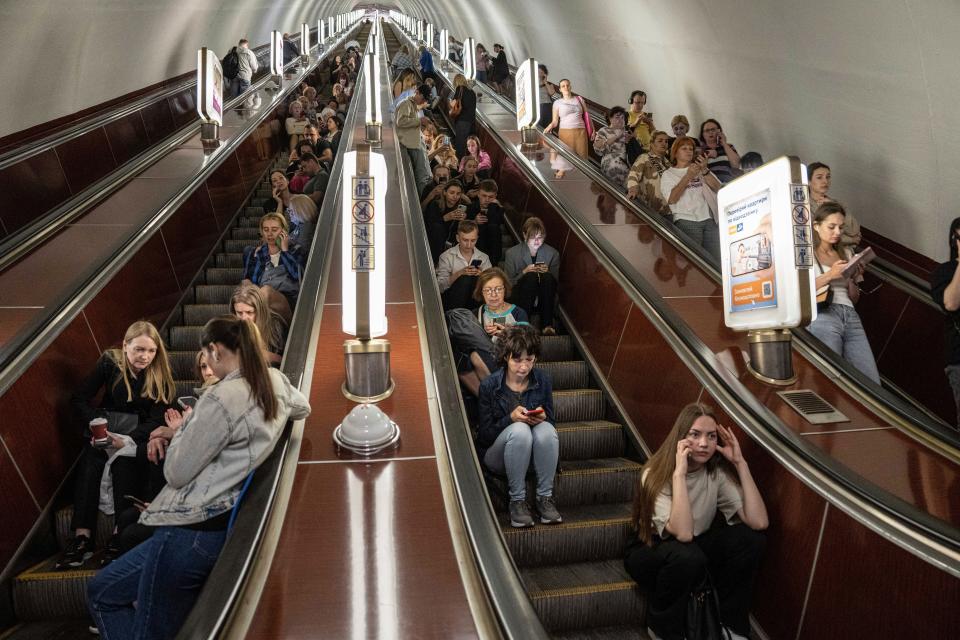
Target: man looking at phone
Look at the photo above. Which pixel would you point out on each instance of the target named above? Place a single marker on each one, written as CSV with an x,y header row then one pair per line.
x,y
488,214
459,266
317,184
407,123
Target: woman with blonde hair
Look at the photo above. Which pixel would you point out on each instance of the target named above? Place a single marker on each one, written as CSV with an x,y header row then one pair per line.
x,y
247,304
698,471
137,387
296,123
275,265
300,210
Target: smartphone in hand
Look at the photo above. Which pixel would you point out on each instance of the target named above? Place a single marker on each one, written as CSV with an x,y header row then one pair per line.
x,y
187,402
476,263
535,412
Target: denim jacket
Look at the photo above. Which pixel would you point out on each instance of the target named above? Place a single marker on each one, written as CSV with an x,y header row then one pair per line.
x,y
218,445
497,403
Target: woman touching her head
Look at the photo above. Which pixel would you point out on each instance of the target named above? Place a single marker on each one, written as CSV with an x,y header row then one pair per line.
x,y
699,470
149,591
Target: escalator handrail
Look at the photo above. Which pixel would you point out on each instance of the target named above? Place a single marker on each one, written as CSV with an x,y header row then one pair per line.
x,y
19,353
99,119
505,591
929,538
229,582
25,239
907,414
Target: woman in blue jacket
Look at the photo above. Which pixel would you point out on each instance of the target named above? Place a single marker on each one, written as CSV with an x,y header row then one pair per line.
x,y
516,424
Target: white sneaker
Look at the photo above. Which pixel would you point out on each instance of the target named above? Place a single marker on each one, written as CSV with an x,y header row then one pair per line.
x,y
735,635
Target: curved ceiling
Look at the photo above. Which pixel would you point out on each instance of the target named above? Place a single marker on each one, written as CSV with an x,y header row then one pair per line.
x,y
865,87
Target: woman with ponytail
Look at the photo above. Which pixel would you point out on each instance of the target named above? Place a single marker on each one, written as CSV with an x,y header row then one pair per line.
x,y
697,471
232,430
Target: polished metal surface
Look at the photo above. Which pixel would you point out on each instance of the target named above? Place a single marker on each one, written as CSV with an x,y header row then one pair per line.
x,y
771,356
931,539
367,369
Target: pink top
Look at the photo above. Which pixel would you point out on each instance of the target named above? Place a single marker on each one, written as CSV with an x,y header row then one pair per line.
x,y
484,161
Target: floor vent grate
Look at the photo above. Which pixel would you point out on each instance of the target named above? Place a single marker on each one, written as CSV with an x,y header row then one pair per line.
x,y
812,407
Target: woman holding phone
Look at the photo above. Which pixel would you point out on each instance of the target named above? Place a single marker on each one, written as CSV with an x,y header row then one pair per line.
x,y
570,120
533,268
275,265
300,210
699,470
516,425
838,324
690,190
134,380
149,591
442,216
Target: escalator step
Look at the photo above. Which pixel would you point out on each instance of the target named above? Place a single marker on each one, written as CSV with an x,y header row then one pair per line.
x,y
181,364
236,246
62,530
198,314
41,593
585,439
579,404
584,595
553,348
213,294
622,632
253,212
59,629
217,275
229,260
249,221
185,387
579,482
185,338
571,374
252,234
588,532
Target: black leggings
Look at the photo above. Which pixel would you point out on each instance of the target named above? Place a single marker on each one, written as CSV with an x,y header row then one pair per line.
x,y
670,570
460,294
536,292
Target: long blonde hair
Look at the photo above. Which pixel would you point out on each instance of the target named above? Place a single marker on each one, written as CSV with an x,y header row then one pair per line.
x,y
158,377
658,471
250,294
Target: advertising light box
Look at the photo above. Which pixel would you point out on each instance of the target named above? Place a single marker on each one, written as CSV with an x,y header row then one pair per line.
x,y
209,87
766,248
276,53
470,59
528,94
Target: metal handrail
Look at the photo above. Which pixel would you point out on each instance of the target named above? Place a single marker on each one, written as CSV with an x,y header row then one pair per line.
x,y
908,414
229,583
20,352
505,591
25,239
929,538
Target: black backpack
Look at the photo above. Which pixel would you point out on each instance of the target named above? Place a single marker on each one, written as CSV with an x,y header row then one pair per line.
x,y
231,64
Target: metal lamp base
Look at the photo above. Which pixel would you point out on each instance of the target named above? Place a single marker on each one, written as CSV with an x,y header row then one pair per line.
x,y
529,136
367,365
374,133
209,135
771,356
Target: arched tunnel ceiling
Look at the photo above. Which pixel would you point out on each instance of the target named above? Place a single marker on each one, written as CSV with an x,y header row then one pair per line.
x,y
867,87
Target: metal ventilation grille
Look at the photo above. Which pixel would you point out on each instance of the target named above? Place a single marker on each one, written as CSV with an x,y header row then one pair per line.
x,y
812,407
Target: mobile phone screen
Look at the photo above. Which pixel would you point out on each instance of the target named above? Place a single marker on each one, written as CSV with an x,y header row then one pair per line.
x,y
187,401
501,321
476,263
534,412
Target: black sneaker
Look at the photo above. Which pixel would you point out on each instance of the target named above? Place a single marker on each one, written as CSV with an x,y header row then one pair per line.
x,y
111,552
548,510
78,551
520,514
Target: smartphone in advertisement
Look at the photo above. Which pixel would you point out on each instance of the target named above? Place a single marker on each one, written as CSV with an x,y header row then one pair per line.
x,y
187,402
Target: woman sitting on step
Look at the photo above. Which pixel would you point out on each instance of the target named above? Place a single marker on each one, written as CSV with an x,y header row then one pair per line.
x,y
534,271
698,471
300,210
137,387
516,425
275,265
247,304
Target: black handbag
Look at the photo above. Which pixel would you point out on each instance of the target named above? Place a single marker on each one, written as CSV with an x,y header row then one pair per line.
x,y
703,614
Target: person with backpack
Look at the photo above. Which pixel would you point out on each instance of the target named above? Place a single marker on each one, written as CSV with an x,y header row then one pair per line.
x,y
239,66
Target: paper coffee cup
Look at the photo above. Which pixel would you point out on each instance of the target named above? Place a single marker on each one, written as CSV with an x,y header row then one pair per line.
x,y
98,427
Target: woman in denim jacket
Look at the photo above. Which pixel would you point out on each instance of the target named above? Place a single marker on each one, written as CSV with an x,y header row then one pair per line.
x,y
516,424
232,430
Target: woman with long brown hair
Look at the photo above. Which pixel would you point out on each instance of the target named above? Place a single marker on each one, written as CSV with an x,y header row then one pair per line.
x,y
697,471
247,304
232,430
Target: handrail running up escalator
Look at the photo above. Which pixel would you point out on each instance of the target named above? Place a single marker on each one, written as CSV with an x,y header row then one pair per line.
x,y
505,592
231,584
19,352
910,416
25,239
929,538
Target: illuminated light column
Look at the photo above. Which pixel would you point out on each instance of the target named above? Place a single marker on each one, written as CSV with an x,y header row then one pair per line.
x,y
470,59
766,259
330,31
209,97
305,44
429,36
276,57
363,268
444,47
371,78
419,30
528,101
375,35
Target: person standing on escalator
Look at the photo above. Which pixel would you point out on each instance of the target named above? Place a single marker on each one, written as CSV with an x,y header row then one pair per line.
x,y
945,288
463,110
698,473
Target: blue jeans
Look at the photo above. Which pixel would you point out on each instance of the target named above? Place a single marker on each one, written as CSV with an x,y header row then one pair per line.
x,y
163,576
512,451
838,327
237,86
704,233
421,168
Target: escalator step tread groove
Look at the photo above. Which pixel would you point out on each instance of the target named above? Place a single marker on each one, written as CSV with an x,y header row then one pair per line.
x,y
57,629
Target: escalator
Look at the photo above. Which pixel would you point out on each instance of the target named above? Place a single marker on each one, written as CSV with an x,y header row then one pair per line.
x,y
51,604
621,373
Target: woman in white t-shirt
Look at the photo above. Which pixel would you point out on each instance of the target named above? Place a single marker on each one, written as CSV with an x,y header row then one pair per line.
x,y
690,190
697,471
569,119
